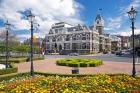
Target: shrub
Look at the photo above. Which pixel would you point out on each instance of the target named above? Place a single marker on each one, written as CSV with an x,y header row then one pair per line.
x,y
92,64
38,58
14,60
79,62
20,60
83,64
12,69
8,71
71,64
61,63
11,76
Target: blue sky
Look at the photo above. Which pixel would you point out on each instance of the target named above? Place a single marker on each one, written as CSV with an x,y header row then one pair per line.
x,y
113,12
48,12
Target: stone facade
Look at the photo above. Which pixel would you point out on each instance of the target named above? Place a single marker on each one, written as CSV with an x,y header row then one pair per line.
x,y
66,38
115,43
125,42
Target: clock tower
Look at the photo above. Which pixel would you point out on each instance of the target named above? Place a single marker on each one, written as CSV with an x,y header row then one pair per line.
x,y
99,24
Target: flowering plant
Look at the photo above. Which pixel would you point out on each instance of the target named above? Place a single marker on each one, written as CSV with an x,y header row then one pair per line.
x,y
86,84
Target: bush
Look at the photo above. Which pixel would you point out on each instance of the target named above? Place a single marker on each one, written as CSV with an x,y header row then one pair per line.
x,y
61,63
92,65
12,69
10,76
83,65
38,58
79,62
14,60
20,60
73,64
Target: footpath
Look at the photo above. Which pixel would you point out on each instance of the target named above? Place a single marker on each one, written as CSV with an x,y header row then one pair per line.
x,y
49,66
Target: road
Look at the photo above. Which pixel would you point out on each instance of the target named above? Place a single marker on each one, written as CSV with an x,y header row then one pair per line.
x,y
104,57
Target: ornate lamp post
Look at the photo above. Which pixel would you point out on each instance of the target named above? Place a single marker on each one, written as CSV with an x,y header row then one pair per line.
x,y
132,15
31,18
7,25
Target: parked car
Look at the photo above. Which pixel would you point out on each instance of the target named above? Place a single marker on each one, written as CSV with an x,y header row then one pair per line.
x,y
122,52
119,53
113,52
73,54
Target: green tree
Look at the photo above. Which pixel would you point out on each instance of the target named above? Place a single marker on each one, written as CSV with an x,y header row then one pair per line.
x,y
21,48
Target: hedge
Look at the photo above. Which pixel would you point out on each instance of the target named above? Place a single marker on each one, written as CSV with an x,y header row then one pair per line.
x,y
20,60
79,62
73,64
12,69
14,60
14,75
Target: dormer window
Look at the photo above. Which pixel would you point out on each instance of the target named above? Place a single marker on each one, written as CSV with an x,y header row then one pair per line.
x,y
50,32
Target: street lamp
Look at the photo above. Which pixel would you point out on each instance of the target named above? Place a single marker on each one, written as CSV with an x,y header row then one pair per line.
x,y
31,18
132,15
7,26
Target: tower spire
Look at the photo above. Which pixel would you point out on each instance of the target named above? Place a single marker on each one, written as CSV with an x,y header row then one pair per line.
x,y
99,11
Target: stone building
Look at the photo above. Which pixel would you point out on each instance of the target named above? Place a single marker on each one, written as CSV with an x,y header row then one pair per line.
x,y
136,41
115,42
66,38
125,42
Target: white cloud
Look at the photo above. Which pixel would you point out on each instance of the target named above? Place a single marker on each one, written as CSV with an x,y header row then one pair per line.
x,y
23,36
135,4
113,23
125,9
127,32
47,12
116,23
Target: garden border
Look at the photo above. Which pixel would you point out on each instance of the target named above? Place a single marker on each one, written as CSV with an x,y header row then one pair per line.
x,y
9,76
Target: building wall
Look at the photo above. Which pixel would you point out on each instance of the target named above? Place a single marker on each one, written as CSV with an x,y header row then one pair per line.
x,y
136,41
125,42
65,38
115,43
73,42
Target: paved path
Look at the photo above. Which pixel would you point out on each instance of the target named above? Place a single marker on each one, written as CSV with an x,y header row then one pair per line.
x,y
49,66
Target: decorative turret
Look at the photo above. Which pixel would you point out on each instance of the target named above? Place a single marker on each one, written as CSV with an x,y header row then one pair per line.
x,y
99,24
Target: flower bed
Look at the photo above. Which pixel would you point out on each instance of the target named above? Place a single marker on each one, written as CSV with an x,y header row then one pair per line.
x,y
86,84
79,62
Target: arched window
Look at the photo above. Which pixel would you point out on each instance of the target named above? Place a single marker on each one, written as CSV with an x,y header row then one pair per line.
x,y
68,38
87,37
88,46
73,37
98,22
53,39
77,37
83,37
